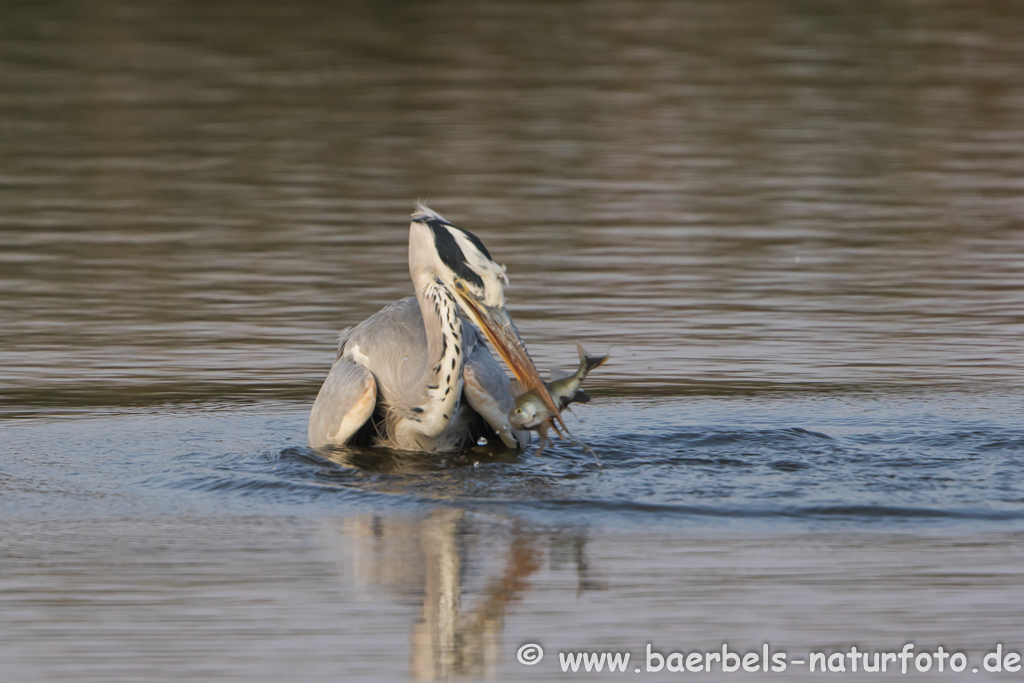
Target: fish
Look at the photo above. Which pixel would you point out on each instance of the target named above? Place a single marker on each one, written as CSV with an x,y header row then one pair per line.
x,y
531,412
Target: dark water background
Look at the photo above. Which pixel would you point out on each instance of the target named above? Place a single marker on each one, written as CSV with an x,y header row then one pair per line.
x,y
798,225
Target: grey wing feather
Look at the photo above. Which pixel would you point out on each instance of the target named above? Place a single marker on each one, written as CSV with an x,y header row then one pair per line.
x,y
392,344
489,392
342,338
345,402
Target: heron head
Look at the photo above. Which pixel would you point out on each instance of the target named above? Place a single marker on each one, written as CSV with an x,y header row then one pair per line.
x,y
460,261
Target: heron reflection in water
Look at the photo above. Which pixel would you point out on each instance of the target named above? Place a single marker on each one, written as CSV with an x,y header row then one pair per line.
x,y
467,570
416,375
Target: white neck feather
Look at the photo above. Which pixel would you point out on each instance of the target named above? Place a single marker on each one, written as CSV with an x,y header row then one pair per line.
x,y
444,378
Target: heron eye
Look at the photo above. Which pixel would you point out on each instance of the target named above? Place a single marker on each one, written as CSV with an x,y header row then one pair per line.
x,y
459,286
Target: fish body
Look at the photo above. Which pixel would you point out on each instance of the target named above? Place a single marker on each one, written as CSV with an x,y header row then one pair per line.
x,y
531,412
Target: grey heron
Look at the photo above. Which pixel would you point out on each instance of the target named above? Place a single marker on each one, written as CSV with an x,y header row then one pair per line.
x,y
416,375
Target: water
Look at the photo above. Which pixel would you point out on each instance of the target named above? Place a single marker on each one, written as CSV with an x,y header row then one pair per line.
x,y
797,225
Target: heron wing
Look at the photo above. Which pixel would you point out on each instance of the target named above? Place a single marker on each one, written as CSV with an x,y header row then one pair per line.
x,y
487,389
344,404
392,344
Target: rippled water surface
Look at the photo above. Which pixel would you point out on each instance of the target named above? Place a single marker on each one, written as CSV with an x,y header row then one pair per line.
x,y
798,227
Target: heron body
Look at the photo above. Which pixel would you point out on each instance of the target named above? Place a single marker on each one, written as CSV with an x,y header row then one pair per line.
x,y
417,375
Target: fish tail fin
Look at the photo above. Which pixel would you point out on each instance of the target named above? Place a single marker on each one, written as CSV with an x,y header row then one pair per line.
x,y
588,363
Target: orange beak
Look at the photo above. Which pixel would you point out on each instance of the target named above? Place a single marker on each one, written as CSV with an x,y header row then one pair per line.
x,y
497,326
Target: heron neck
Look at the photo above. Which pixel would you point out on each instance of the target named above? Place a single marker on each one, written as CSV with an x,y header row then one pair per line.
x,y
443,377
